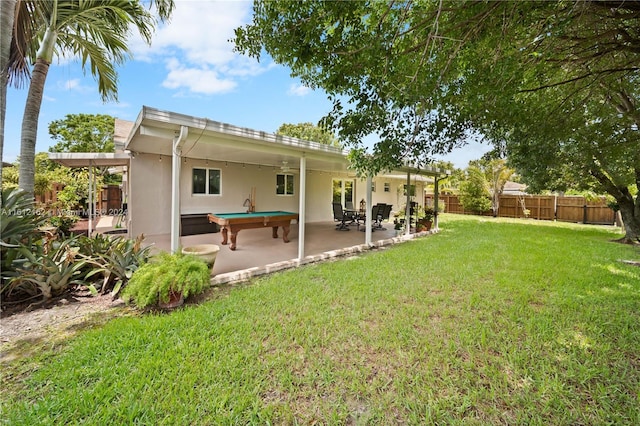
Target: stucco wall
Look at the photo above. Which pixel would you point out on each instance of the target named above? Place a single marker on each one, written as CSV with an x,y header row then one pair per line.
x,y
150,195
150,198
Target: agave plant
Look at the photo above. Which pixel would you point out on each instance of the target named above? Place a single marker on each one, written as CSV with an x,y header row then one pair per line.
x,y
115,258
19,232
50,272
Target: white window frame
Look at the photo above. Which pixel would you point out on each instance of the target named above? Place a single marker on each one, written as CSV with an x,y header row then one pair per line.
x,y
287,177
207,188
387,187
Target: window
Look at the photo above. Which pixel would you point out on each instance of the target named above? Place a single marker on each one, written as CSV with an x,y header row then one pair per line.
x,y
373,187
387,187
284,184
412,190
343,191
205,181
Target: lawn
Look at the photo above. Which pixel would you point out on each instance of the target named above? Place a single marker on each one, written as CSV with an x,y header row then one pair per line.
x,y
490,321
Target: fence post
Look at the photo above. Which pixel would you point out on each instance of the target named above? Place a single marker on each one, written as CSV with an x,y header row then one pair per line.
x,y
584,214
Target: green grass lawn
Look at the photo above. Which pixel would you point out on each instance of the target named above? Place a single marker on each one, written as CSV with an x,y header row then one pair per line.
x,y
488,322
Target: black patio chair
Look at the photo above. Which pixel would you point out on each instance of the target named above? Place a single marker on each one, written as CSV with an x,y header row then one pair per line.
x,y
341,217
375,215
384,211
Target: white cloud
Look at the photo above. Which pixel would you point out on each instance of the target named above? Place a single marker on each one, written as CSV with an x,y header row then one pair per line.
x,y
196,48
201,80
298,90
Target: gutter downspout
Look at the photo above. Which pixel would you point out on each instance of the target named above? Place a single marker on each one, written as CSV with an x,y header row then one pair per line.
x,y
177,144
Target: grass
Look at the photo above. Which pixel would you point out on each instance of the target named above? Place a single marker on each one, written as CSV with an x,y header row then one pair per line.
x,y
488,322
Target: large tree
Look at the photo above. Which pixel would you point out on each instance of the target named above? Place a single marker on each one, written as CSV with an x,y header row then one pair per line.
x,y
83,133
419,74
94,31
308,132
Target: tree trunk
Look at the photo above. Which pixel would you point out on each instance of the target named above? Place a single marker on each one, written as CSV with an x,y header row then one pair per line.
x,y
30,125
630,213
7,13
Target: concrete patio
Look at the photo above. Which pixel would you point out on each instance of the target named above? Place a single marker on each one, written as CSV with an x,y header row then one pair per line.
x,y
258,253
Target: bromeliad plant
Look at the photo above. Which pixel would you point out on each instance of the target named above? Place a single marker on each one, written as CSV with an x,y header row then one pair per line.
x,y
116,259
165,274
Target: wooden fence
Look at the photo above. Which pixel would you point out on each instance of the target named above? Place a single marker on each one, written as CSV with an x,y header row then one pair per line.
x,y
543,207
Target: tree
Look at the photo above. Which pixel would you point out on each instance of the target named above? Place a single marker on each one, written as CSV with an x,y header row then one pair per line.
x,y
421,75
496,173
367,57
474,191
308,132
97,32
83,133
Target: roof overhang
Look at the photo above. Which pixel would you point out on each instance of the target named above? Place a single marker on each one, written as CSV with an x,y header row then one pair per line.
x,y
154,132
88,159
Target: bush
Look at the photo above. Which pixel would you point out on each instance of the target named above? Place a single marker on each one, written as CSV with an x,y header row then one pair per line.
x,y
164,274
63,224
19,224
115,258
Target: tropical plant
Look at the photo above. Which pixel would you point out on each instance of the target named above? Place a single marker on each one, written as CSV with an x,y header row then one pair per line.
x,y
48,272
116,259
95,30
19,224
63,224
474,194
165,274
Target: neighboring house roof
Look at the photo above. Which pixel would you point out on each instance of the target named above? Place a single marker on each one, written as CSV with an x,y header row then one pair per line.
x,y
514,188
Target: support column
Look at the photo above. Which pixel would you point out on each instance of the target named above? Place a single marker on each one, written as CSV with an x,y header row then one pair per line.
x,y
407,214
176,158
301,207
90,203
368,212
436,191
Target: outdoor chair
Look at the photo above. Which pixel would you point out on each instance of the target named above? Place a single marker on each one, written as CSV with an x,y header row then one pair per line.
x,y
375,214
341,217
384,211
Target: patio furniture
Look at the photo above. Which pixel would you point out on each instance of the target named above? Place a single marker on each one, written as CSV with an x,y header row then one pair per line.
x,y
375,214
340,216
384,211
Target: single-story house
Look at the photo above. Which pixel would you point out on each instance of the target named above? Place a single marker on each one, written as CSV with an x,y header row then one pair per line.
x,y
176,165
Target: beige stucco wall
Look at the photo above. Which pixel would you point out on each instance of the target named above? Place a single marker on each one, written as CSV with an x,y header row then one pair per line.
x,y
150,196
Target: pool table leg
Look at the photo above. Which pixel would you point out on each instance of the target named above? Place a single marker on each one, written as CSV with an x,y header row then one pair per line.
x,y
233,236
274,231
285,234
224,232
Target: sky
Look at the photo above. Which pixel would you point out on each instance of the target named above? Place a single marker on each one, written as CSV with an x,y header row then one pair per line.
x,y
190,68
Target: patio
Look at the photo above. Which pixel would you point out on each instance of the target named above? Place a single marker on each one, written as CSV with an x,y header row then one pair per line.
x,y
258,253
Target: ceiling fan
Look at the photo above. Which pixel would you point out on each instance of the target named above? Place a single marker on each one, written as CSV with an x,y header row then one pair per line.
x,y
284,168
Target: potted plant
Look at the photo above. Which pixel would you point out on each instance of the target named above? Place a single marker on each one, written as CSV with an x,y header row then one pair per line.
x,y
426,219
167,280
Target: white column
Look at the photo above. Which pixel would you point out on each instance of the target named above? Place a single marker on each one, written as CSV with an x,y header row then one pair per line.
x,y
90,203
369,220
407,215
176,158
301,206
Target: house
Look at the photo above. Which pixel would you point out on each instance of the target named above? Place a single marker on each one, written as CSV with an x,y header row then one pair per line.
x,y
177,165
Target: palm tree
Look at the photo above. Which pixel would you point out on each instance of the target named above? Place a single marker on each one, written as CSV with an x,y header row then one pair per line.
x,y
95,31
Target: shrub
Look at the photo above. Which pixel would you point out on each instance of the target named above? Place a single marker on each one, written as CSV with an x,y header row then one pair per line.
x,y
63,224
166,273
19,224
115,258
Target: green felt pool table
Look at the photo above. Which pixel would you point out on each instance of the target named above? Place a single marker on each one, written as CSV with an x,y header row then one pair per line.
x,y
231,223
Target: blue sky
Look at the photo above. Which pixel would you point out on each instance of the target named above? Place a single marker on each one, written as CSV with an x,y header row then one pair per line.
x,y
191,69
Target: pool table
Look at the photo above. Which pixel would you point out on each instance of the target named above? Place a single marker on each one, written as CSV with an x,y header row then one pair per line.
x,y
231,223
